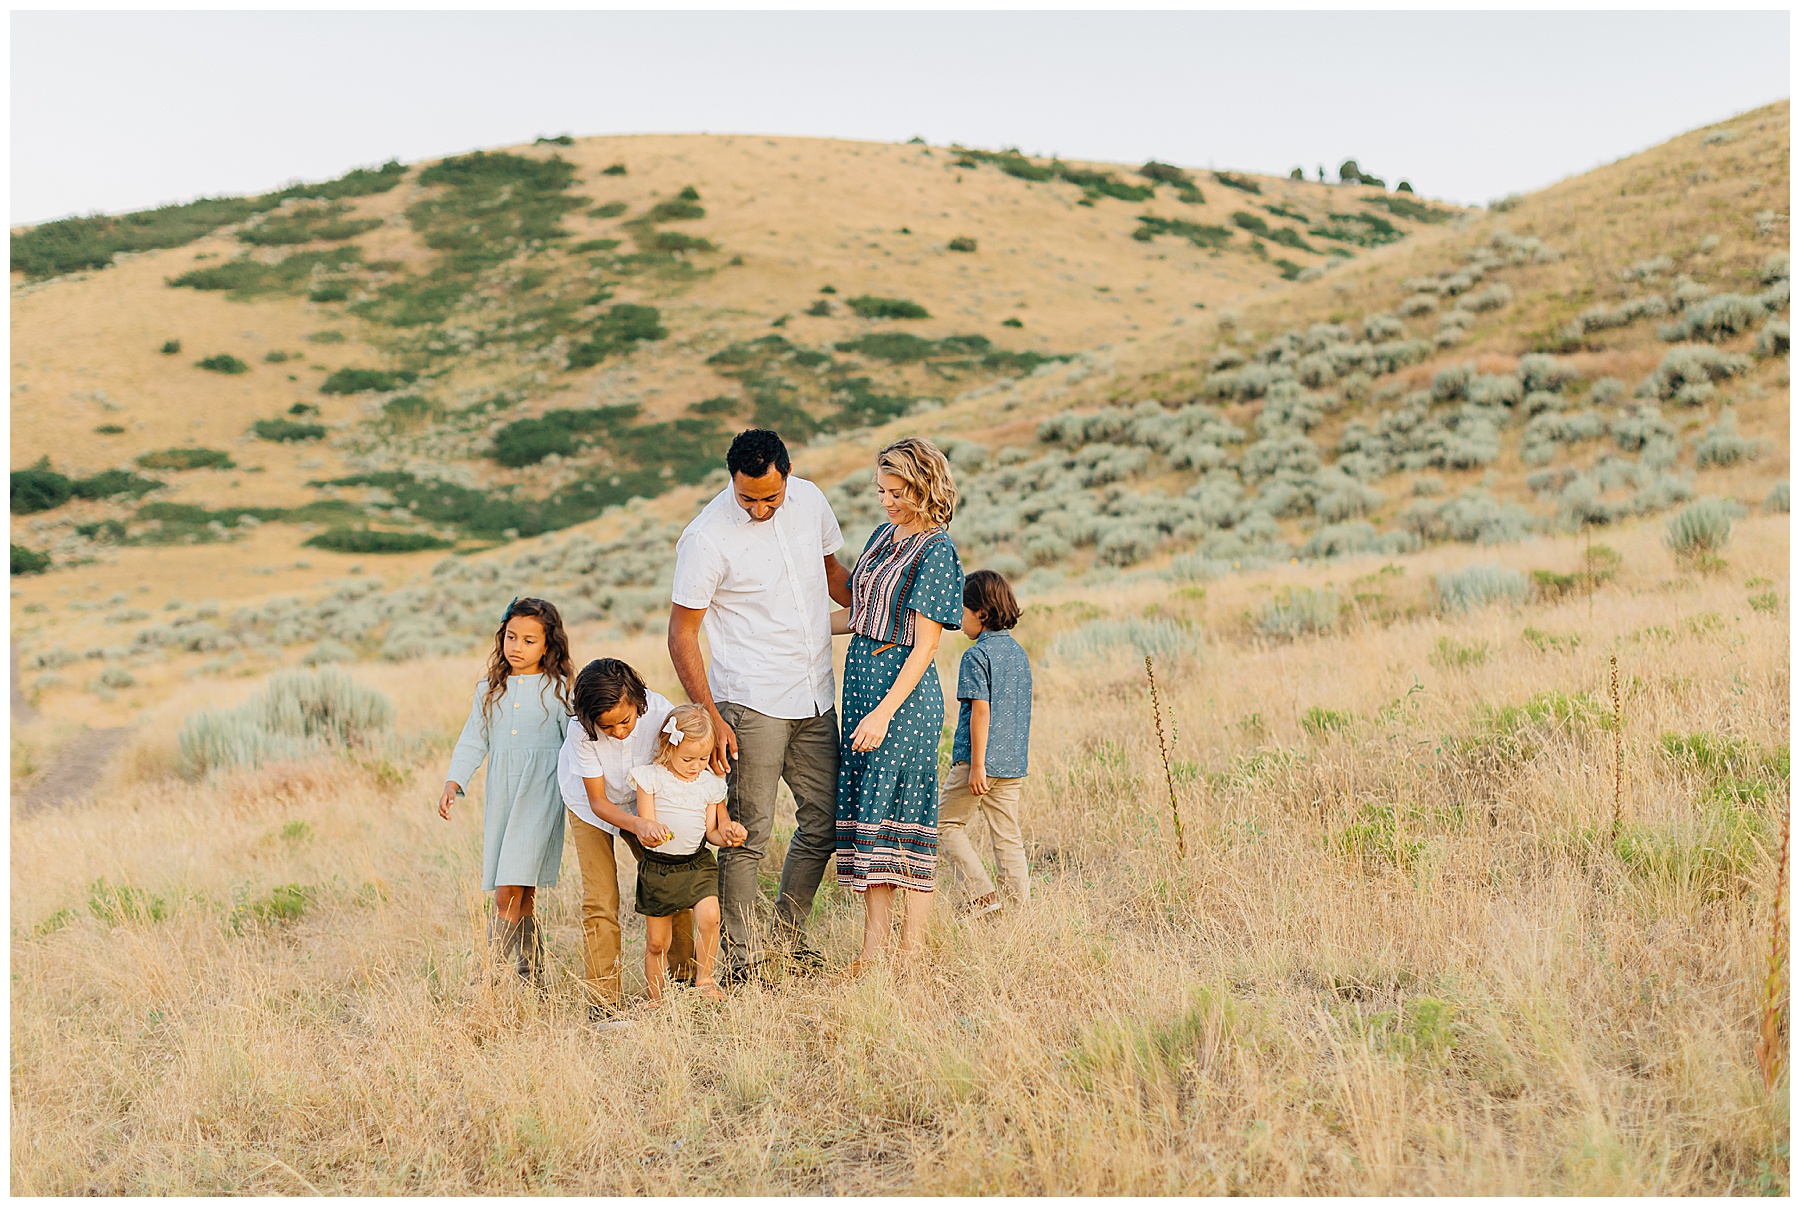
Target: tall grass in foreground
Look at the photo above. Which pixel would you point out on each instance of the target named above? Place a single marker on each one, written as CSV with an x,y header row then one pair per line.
x,y
1408,959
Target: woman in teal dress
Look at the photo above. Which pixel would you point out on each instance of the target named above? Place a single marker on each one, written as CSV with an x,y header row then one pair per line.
x,y
905,591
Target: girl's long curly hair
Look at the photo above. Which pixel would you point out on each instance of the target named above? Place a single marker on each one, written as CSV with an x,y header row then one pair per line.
x,y
557,667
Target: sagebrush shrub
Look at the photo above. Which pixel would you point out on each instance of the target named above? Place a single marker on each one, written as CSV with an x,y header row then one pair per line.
x,y
1134,635
298,715
1699,530
1299,611
1721,444
1478,586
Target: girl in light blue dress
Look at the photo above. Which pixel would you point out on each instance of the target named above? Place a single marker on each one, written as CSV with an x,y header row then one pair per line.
x,y
517,723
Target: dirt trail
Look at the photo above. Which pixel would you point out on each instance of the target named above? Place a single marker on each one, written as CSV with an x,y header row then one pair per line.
x,y
78,767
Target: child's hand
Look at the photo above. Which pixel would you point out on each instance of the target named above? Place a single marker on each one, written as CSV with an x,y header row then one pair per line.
x,y
734,834
446,800
978,780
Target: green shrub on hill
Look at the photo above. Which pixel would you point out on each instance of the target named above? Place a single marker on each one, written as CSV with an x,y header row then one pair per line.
x,y
39,488
1150,226
71,244
1406,207
678,209
286,430
1242,184
819,309
248,277
305,225
410,411
362,182
171,347
28,561
1363,230
362,381
1254,223
109,483
619,330
617,169
675,241
1183,182
527,441
610,209
224,362
593,245
962,243
371,540
187,458
870,307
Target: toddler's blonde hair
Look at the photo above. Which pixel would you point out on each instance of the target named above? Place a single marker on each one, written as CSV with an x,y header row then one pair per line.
x,y
693,722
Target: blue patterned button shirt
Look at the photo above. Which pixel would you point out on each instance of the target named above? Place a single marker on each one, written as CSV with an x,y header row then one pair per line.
x,y
997,670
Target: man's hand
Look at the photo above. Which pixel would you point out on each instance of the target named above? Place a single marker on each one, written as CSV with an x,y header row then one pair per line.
x,y
978,780
446,800
725,744
733,834
651,833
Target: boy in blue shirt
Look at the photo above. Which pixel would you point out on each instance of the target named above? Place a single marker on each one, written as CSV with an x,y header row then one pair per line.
x,y
988,759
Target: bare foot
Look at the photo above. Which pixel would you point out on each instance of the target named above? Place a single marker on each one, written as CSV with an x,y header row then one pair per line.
x,y
710,991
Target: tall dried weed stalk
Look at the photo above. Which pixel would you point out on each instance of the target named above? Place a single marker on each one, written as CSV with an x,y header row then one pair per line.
x,y
1768,1040
1162,745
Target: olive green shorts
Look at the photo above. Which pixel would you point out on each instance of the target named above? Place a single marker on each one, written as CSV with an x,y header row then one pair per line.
x,y
668,886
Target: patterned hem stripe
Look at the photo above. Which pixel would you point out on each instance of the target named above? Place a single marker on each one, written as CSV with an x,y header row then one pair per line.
x,y
866,883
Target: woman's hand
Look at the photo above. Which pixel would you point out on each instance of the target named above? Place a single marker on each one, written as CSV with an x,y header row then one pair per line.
x,y
733,834
447,799
651,833
871,731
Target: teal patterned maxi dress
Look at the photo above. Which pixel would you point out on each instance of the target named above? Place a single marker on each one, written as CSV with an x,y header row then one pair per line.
x,y
522,820
887,802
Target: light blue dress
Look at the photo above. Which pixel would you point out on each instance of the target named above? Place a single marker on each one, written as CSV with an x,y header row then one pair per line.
x,y
520,738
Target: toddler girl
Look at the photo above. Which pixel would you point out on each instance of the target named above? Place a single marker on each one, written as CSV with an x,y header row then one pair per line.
x,y
517,724
680,794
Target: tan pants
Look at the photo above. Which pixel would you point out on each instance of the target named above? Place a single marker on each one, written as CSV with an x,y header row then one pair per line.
x,y
1000,805
600,936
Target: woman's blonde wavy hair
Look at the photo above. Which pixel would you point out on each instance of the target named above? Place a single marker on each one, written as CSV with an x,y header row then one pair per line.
x,y
925,472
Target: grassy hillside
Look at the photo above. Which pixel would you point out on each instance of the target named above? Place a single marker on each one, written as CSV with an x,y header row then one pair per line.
x,y
1384,403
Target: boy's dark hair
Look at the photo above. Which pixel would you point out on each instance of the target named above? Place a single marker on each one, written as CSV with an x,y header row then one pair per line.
x,y
601,686
754,451
987,594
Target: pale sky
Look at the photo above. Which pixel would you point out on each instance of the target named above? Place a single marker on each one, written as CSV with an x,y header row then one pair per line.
x,y
123,110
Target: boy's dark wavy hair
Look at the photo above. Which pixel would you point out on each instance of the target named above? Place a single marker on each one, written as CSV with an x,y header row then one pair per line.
x,y
601,686
558,667
987,594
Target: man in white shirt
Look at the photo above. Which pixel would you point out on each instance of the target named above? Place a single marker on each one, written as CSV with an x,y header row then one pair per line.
x,y
757,568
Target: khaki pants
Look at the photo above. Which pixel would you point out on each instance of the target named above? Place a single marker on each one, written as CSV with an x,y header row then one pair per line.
x,y
1000,805
600,937
772,749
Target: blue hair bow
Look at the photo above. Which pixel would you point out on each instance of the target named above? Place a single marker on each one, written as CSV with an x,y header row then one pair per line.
x,y
507,615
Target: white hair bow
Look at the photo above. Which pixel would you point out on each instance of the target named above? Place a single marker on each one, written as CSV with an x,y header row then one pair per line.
x,y
672,731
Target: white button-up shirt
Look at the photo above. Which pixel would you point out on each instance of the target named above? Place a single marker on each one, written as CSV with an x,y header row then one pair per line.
x,y
768,606
608,758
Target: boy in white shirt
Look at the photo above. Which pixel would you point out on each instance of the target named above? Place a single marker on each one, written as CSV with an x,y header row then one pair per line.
x,y
616,723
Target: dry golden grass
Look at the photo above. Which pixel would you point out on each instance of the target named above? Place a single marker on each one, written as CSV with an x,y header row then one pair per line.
x,y
1488,999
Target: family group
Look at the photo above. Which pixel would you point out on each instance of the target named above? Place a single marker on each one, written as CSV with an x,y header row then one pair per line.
x,y
599,755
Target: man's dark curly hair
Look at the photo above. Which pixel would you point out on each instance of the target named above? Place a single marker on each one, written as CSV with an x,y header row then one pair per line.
x,y
752,452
